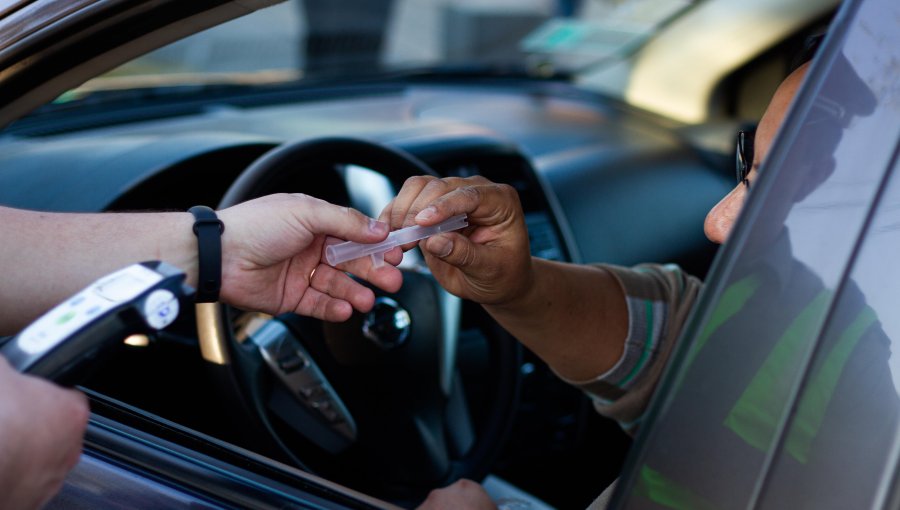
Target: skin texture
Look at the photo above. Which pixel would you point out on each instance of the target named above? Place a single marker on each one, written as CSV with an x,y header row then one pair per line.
x,y
573,317
273,258
722,216
270,249
542,303
42,427
272,261
464,494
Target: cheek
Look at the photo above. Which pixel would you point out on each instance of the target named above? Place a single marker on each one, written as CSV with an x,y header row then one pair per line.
x,y
721,218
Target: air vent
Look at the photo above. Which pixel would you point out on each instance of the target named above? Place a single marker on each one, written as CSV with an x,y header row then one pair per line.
x,y
542,236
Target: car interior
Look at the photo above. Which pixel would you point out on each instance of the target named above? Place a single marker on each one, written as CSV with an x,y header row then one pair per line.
x,y
608,167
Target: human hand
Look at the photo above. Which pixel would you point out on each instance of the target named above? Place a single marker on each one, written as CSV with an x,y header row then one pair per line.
x,y
489,262
461,494
41,432
272,257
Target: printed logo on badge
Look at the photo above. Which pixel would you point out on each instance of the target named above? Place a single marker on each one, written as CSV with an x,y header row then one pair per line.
x,y
160,308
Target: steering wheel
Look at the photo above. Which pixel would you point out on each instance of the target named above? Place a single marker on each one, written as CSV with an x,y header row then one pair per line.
x,y
377,402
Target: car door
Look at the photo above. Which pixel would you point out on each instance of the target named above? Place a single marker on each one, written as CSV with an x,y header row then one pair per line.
x,y
782,393
133,459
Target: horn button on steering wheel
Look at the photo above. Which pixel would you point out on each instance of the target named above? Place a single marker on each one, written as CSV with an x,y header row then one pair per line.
x,y
387,324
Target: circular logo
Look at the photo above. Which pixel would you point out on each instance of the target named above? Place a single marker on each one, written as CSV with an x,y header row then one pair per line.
x,y
387,324
160,308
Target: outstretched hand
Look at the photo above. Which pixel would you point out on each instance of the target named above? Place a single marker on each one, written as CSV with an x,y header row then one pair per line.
x,y
273,260
489,262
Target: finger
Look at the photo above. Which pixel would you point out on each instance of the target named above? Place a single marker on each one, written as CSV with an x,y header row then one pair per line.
x,y
438,188
454,249
338,285
405,198
397,211
386,277
318,305
321,217
487,204
431,192
394,256
385,214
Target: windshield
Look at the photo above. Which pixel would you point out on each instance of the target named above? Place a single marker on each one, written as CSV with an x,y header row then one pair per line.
x,y
314,39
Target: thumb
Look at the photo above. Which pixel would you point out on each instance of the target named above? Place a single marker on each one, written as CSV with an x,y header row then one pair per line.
x,y
321,217
453,248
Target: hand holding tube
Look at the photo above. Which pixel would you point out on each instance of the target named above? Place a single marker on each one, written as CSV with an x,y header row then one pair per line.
x,y
338,253
489,262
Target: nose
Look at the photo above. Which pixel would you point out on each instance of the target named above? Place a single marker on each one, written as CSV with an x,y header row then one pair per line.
x,y
722,216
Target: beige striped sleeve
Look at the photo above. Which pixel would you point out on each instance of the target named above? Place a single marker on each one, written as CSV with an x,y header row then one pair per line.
x,y
660,297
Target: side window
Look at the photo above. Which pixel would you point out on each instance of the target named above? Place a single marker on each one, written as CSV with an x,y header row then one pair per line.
x,y
783,390
845,421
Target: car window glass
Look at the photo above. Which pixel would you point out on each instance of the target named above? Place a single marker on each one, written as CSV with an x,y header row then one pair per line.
x,y
844,426
850,187
722,418
297,39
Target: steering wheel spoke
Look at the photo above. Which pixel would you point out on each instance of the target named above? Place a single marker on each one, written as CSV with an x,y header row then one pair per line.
x,y
307,402
451,315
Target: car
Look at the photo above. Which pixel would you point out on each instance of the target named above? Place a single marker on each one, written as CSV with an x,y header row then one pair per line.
x,y
615,123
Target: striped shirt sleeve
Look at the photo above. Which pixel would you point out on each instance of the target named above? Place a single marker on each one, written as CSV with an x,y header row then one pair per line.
x,y
659,298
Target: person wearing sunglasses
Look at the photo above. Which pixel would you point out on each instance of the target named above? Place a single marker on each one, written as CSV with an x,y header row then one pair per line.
x,y
591,324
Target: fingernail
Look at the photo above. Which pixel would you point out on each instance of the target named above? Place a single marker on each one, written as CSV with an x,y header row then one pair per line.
x,y
377,227
426,214
440,246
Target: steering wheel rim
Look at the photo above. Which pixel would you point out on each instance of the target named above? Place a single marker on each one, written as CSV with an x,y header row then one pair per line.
x,y
243,369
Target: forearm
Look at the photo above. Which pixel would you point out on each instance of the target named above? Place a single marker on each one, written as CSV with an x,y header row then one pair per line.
x,y
47,257
574,317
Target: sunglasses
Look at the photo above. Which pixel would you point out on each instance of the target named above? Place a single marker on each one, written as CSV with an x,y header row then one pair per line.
x,y
744,156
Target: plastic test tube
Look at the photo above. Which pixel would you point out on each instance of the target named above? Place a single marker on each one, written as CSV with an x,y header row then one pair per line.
x,y
349,250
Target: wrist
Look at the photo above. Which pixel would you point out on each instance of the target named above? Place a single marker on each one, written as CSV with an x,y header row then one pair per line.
x,y
208,229
524,296
184,255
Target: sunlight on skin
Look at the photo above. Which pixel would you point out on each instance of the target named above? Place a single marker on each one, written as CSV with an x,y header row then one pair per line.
x,y
722,216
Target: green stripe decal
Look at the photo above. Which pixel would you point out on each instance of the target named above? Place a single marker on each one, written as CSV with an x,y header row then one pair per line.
x,y
817,394
757,412
756,415
657,488
731,302
648,316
